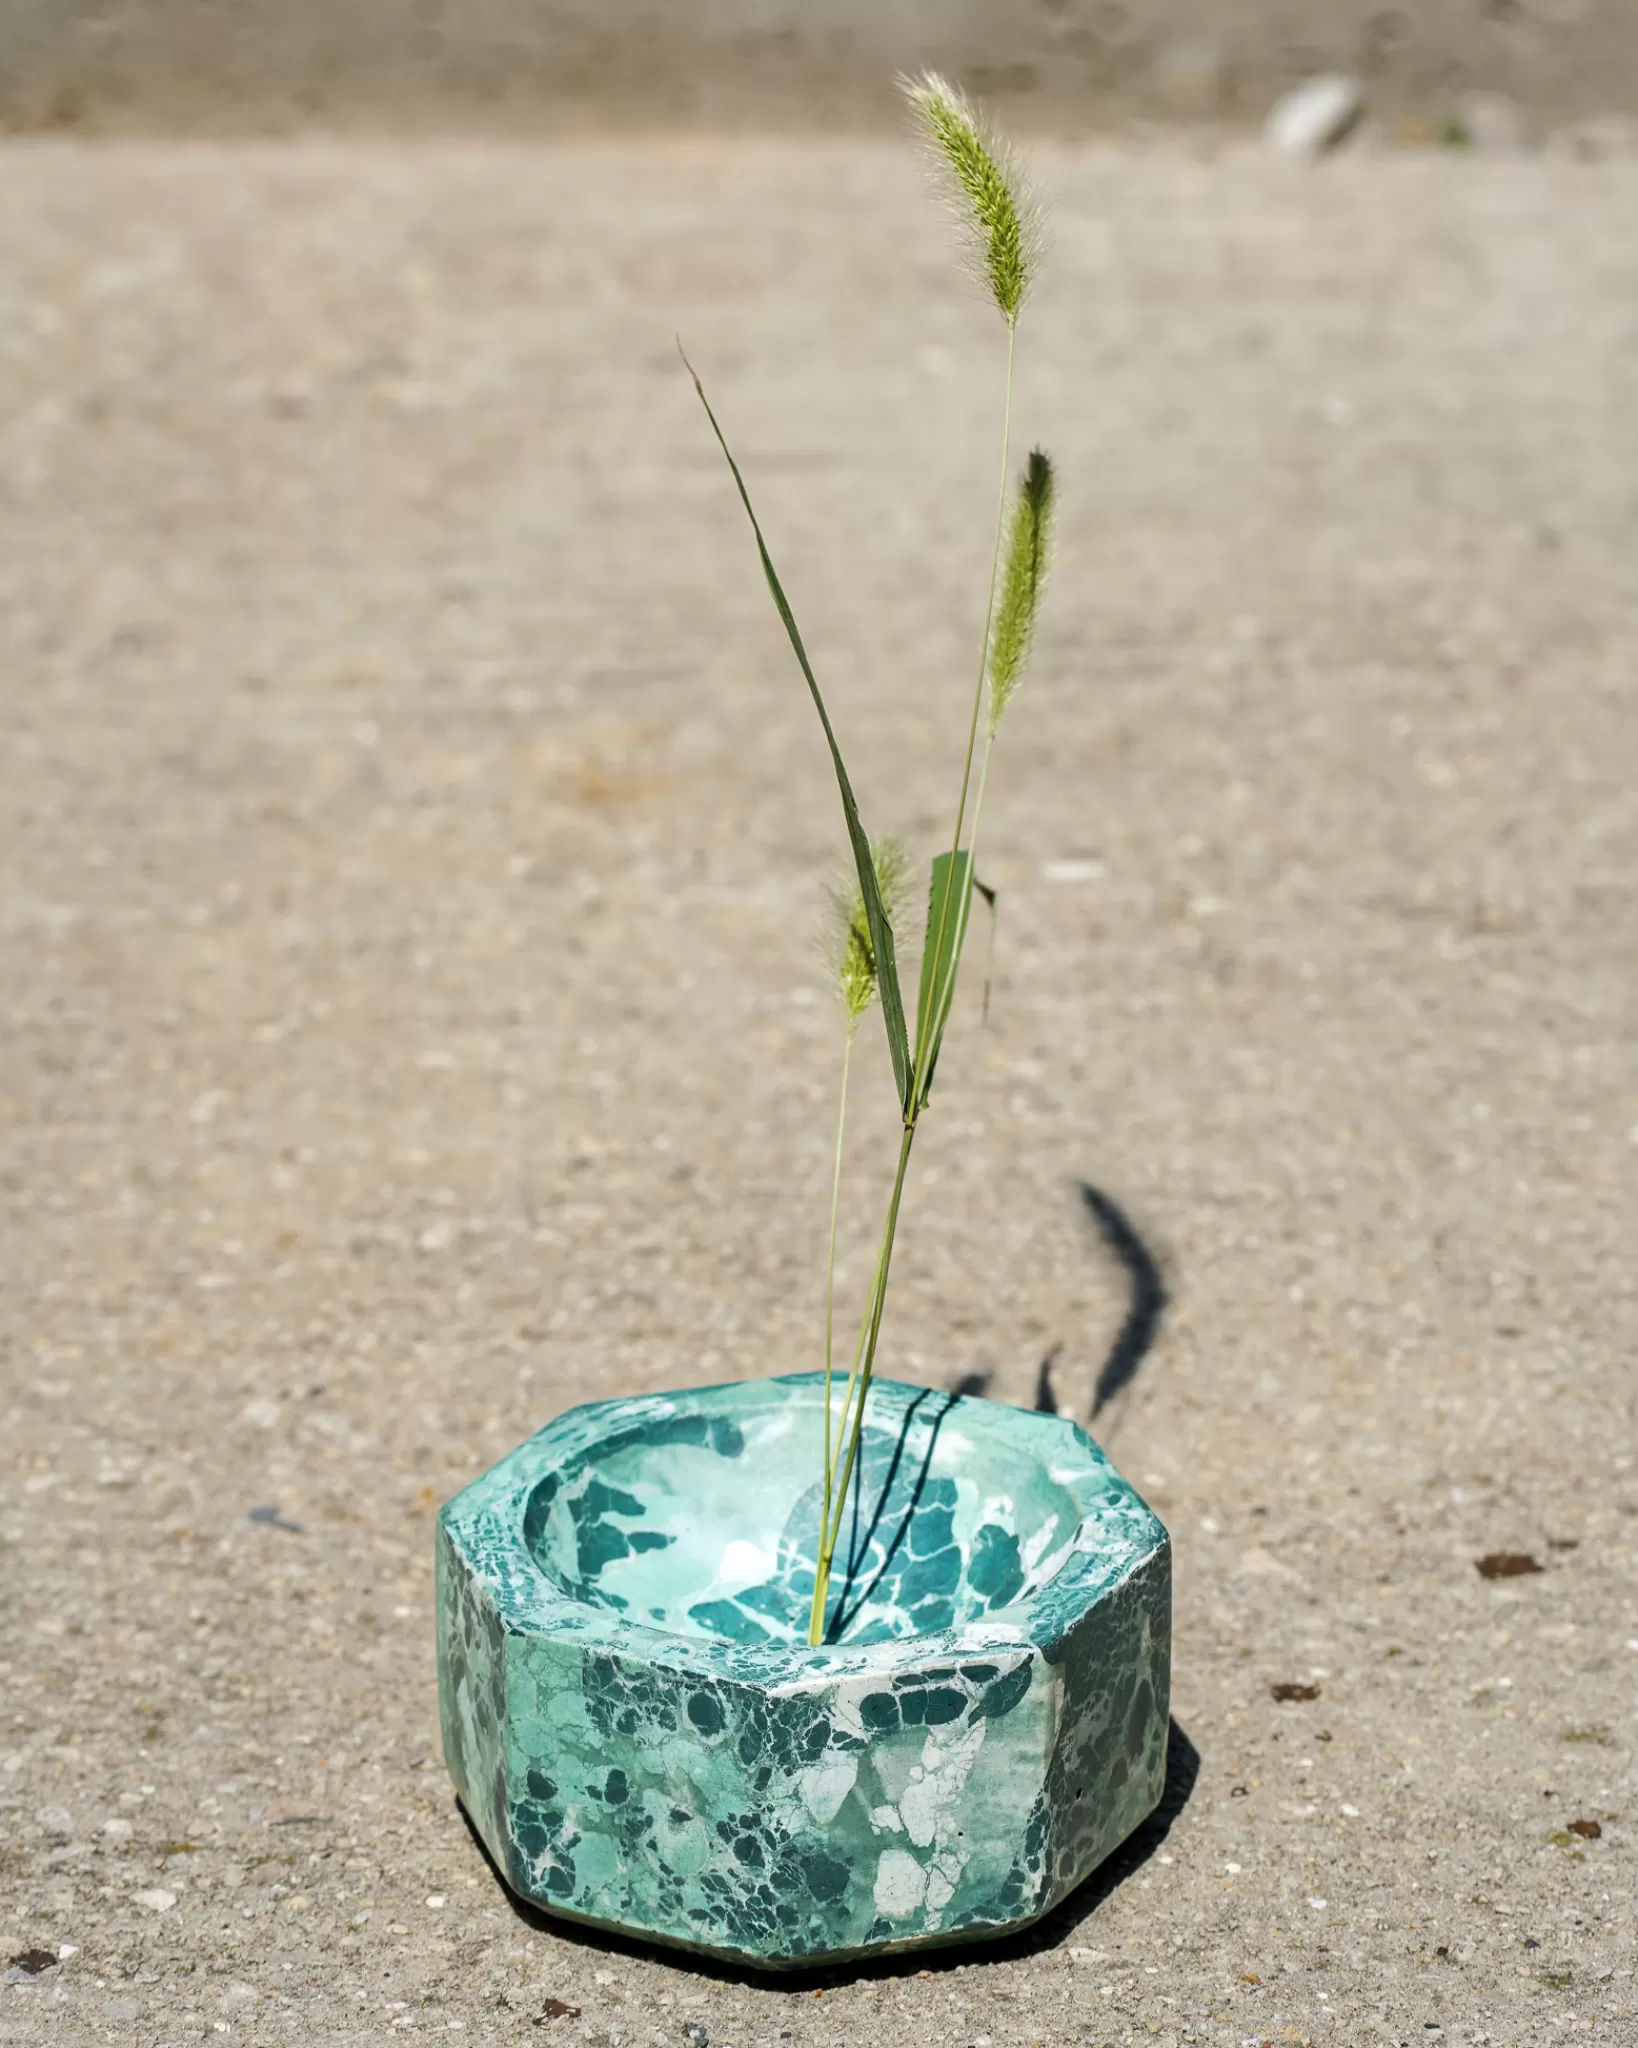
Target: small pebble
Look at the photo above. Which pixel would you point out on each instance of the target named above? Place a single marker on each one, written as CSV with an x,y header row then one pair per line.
x,y
1314,116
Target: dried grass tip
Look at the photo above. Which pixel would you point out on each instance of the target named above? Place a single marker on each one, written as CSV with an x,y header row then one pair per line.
x,y
992,198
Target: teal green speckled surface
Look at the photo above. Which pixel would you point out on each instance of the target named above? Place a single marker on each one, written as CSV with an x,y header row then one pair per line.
x,y
642,1736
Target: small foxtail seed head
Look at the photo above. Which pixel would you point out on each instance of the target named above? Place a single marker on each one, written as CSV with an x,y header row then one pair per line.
x,y
853,957
1028,552
992,199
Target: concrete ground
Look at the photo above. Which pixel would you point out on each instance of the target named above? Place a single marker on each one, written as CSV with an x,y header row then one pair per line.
x,y
414,833
566,66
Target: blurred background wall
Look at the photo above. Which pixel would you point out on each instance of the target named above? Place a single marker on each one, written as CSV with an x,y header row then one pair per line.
x,y
560,64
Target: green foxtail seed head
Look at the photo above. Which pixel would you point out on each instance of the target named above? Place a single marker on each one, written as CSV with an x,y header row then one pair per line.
x,y
1029,546
853,957
991,196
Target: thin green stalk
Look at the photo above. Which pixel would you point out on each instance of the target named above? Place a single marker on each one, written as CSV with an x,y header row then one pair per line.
x,y
972,837
1027,553
831,1528
821,1563
851,1422
941,1001
821,1587
830,1261
941,1015
878,1304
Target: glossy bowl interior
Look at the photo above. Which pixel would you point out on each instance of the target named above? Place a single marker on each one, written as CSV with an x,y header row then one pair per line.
x,y
706,1525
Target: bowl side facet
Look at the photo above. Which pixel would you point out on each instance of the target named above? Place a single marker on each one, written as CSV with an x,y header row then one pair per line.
x,y
782,1805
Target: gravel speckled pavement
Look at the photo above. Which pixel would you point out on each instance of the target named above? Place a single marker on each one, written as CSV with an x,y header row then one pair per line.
x,y
413,833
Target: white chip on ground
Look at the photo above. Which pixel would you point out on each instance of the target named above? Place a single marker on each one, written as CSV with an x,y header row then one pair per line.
x,y
155,1901
1071,870
436,1900
1317,1904
1315,115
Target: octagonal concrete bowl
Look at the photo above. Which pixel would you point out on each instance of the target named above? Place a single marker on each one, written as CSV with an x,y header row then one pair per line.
x,y
643,1737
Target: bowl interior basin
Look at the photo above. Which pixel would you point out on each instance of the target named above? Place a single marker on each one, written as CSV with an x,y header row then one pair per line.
x,y
708,1525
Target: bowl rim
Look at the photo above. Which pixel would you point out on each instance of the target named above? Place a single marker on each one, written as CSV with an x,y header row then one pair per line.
x,y
1119,1534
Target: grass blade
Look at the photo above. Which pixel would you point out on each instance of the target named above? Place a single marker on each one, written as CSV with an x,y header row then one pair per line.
x,y
881,930
947,900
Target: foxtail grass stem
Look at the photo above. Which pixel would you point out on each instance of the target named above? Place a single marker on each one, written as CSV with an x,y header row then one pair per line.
x,y
851,1421
941,997
830,1527
972,859
821,1586
830,1261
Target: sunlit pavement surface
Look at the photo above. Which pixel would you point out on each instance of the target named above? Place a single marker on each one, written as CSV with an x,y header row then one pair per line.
x,y
415,834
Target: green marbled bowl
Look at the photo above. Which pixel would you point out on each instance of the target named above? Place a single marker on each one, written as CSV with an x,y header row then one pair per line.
x,y
645,1741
